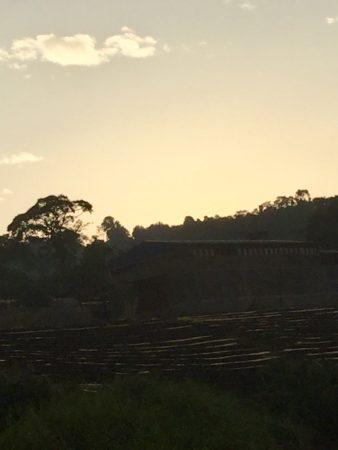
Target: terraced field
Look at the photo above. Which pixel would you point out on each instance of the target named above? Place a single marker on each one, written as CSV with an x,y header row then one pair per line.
x,y
214,344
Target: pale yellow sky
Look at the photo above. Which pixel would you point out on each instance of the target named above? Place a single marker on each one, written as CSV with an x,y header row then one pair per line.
x,y
156,110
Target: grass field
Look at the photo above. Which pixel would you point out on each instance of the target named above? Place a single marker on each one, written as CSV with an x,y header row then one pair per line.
x,y
288,406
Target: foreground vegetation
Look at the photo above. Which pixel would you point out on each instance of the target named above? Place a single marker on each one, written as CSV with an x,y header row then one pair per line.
x,y
291,406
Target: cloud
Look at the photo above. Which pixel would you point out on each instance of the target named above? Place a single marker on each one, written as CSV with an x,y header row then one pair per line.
x,y
247,6
6,191
20,158
166,48
331,20
129,44
77,50
17,66
4,55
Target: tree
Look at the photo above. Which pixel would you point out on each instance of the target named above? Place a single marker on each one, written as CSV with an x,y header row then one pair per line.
x,y
54,217
284,202
117,236
302,195
93,277
241,213
188,220
264,207
51,233
323,225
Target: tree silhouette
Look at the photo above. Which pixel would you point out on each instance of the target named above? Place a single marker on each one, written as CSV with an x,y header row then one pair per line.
x,y
295,217
118,237
189,221
92,275
302,195
50,218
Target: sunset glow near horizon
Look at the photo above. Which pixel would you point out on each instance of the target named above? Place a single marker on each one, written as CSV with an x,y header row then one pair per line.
x,y
155,110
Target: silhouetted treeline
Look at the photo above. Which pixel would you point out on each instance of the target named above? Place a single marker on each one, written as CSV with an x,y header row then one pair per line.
x,y
45,255
295,218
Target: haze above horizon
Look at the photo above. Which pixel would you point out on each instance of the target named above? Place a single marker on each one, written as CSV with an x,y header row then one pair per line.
x,y
156,110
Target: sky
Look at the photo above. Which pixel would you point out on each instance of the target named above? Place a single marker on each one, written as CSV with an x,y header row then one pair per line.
x,y
154,110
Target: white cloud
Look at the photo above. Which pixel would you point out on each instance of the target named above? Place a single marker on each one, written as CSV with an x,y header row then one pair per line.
x,y
331,20
166,48
129,44
77,50
20,158
24,49
126,29
4,55
247,6
6,191
17,66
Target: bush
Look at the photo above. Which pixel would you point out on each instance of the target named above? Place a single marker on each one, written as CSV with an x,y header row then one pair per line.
x,y
18,392
306,392
149,415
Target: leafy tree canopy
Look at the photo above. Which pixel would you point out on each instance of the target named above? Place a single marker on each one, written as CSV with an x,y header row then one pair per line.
x,y
50,218
117,235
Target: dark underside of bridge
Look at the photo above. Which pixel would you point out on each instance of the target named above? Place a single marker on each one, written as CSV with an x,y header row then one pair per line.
x,y
169,279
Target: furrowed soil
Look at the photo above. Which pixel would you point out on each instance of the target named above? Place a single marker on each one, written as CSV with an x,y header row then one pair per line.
x,y
216,346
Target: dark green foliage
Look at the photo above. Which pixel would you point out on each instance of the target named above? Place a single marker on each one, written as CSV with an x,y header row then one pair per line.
x,y
306,392
18,393
150,415
288,405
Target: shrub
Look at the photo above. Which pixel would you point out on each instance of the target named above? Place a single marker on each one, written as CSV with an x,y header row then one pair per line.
x,y
304,391
19,392
149,415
